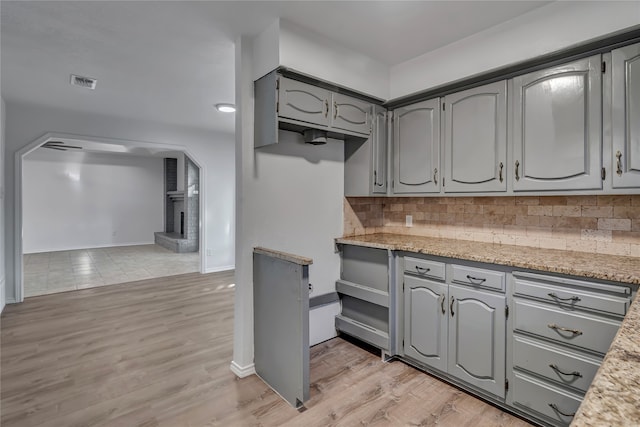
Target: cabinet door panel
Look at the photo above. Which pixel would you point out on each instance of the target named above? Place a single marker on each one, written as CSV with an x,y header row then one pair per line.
x,y
476,139
425,324
379,135
303,102
477,338
351,114
417,148
624,114
557,127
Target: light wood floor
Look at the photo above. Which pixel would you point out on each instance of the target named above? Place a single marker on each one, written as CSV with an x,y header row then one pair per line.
x,y
157,353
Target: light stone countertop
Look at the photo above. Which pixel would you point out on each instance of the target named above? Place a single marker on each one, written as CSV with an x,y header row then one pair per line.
x,y
594,266
614,396
296,259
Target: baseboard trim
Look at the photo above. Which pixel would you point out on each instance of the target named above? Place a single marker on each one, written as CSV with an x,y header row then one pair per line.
x,y
242,371
98,246
219,269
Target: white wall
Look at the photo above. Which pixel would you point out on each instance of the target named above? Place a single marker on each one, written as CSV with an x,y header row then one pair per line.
x,y
544,30
2,206
214,151
286,44
76,200
290,199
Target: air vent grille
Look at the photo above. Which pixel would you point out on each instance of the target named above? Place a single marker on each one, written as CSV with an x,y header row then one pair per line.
x,y
85,82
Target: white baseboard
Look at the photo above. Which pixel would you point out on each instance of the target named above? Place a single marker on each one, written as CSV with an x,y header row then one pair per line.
x,y
219,269
97,246
242,371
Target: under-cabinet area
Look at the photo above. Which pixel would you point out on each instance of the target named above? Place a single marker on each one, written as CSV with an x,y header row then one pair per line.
x,y
524,335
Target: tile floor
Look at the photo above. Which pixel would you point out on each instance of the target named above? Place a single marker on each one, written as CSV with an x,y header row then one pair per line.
x,y
51,272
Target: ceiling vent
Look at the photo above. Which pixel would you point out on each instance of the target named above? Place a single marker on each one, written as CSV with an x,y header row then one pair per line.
x,y
85,82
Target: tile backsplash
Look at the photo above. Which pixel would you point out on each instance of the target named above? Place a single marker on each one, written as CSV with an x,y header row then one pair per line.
x,y
597,224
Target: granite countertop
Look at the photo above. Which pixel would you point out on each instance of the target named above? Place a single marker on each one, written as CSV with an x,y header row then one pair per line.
x,y
296,259
614,396
594,266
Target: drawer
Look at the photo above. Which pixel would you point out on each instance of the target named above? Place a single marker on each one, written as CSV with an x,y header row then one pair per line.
x,y
478,277
424,268
543,398
572,328
606,298
554,363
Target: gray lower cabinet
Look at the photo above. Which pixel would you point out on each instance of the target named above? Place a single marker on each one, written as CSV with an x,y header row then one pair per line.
x,y
625,110
426,321
475,139
557,127
477,338
416,148
364,289
561,329
459,330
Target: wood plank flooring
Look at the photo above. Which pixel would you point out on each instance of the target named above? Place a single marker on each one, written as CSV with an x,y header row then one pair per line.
x,y
157,353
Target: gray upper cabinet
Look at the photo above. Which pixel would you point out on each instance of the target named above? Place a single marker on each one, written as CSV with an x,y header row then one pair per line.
x,y
303,102
425,322
625,114
350,114
557,127
475,139
416,148
365,162
379,140
477,338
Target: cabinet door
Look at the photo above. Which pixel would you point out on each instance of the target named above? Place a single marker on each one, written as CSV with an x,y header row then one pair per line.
x,y
379,138
425,321
477,337
475,139
350,114
625,114
417,148
557,126
303,102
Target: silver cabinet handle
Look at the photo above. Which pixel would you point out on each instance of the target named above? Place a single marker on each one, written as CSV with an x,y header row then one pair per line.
x,y
574,373
560,328
619,163
451,306
477,279
435,176
572,299
442,304
335,110
555,408
326,108
422,270
517,174
500,174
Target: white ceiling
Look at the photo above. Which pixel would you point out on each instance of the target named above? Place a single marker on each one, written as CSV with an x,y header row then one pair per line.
x,y
171,61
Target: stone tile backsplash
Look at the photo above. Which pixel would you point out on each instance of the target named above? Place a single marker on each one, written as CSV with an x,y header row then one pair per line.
x,y
598,224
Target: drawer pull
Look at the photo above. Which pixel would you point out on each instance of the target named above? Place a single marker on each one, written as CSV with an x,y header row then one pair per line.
x,y
572,299
555,408
477,279
451,306
560,328
422,270
574,373
442,304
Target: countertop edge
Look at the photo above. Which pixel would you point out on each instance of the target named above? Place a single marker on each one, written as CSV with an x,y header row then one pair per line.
x,y
285,256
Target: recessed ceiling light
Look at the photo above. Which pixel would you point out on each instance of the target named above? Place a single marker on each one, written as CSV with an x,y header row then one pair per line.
x,y
226,108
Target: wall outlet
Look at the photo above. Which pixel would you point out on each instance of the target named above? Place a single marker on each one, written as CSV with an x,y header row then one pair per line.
x,y
209,252
409,221
114,234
